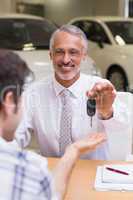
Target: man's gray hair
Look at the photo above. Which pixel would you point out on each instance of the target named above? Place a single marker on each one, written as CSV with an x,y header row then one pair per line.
x,y
73,30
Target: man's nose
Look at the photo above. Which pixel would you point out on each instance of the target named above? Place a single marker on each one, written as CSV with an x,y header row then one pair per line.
x,y
66,58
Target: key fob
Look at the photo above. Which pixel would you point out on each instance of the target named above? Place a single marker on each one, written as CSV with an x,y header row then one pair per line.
x,y
91,107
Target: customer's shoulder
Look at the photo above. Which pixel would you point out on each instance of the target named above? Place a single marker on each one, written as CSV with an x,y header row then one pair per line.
x,y
34,164
35,159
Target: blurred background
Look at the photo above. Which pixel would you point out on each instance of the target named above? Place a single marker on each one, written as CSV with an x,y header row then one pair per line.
x,y
110,38
61,11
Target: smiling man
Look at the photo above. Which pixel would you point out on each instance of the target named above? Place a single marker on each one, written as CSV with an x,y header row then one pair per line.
x,y
55,108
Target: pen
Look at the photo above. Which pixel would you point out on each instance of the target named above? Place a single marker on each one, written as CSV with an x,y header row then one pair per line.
x,y
117,171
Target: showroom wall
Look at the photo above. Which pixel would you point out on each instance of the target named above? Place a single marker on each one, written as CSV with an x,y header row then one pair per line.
x,y
61,11
105,7
6,6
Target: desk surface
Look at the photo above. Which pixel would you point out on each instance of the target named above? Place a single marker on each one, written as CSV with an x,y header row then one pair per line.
x,y
81,185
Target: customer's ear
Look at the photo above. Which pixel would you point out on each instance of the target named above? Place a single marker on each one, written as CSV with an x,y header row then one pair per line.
x,y
8,103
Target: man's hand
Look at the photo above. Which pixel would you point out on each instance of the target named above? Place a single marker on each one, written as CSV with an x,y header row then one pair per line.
x,y
104,93
88,143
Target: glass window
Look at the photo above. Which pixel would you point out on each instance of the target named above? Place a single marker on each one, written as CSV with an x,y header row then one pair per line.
x,y
123,29
93,30
17,33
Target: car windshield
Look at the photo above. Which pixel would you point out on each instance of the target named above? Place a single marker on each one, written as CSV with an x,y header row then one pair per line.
x,y
25,34
122,31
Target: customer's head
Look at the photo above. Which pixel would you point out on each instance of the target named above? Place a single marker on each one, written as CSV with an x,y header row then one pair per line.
x,y
13,73
68,47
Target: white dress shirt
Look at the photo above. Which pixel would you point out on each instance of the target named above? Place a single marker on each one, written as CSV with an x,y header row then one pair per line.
x,y
42,112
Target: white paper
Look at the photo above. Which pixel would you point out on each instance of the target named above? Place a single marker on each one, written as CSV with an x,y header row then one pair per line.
x,y
105,186
115,177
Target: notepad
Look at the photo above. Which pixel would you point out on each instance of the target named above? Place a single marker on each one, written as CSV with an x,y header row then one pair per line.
x,y
108,180
116,177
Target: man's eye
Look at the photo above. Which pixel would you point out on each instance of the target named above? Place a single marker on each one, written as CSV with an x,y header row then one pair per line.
x,y
59,52
74,53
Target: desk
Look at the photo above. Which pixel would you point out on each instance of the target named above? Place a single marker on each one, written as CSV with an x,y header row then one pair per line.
x,y
82,181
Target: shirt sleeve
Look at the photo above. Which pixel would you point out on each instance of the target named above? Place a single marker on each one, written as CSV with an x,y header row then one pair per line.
x,y
119,129
47,183
121,119
39,166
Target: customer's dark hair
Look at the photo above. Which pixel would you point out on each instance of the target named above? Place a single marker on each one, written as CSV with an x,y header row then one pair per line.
x,y
13,73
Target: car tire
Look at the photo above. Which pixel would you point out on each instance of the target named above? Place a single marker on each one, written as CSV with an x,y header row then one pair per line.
x,y
118,79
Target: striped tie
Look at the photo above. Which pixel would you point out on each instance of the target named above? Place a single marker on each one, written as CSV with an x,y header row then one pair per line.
x,y
65,122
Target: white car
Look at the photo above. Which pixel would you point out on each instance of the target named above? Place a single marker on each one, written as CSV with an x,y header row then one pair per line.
x,y
111,47
29,36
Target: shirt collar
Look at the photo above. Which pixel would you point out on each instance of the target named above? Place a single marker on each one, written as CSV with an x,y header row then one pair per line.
x,y
57,87
75,88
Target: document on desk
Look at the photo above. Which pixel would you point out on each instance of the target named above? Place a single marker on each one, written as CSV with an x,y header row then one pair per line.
x,y
114,177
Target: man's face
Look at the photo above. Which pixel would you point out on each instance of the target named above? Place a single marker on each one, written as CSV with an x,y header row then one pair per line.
x,y
67,54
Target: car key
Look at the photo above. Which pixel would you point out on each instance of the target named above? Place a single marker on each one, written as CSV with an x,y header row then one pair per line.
x,y
91,108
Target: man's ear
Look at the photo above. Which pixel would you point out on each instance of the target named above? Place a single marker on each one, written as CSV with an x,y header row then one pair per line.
x,y
8,102
50,55
85,55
